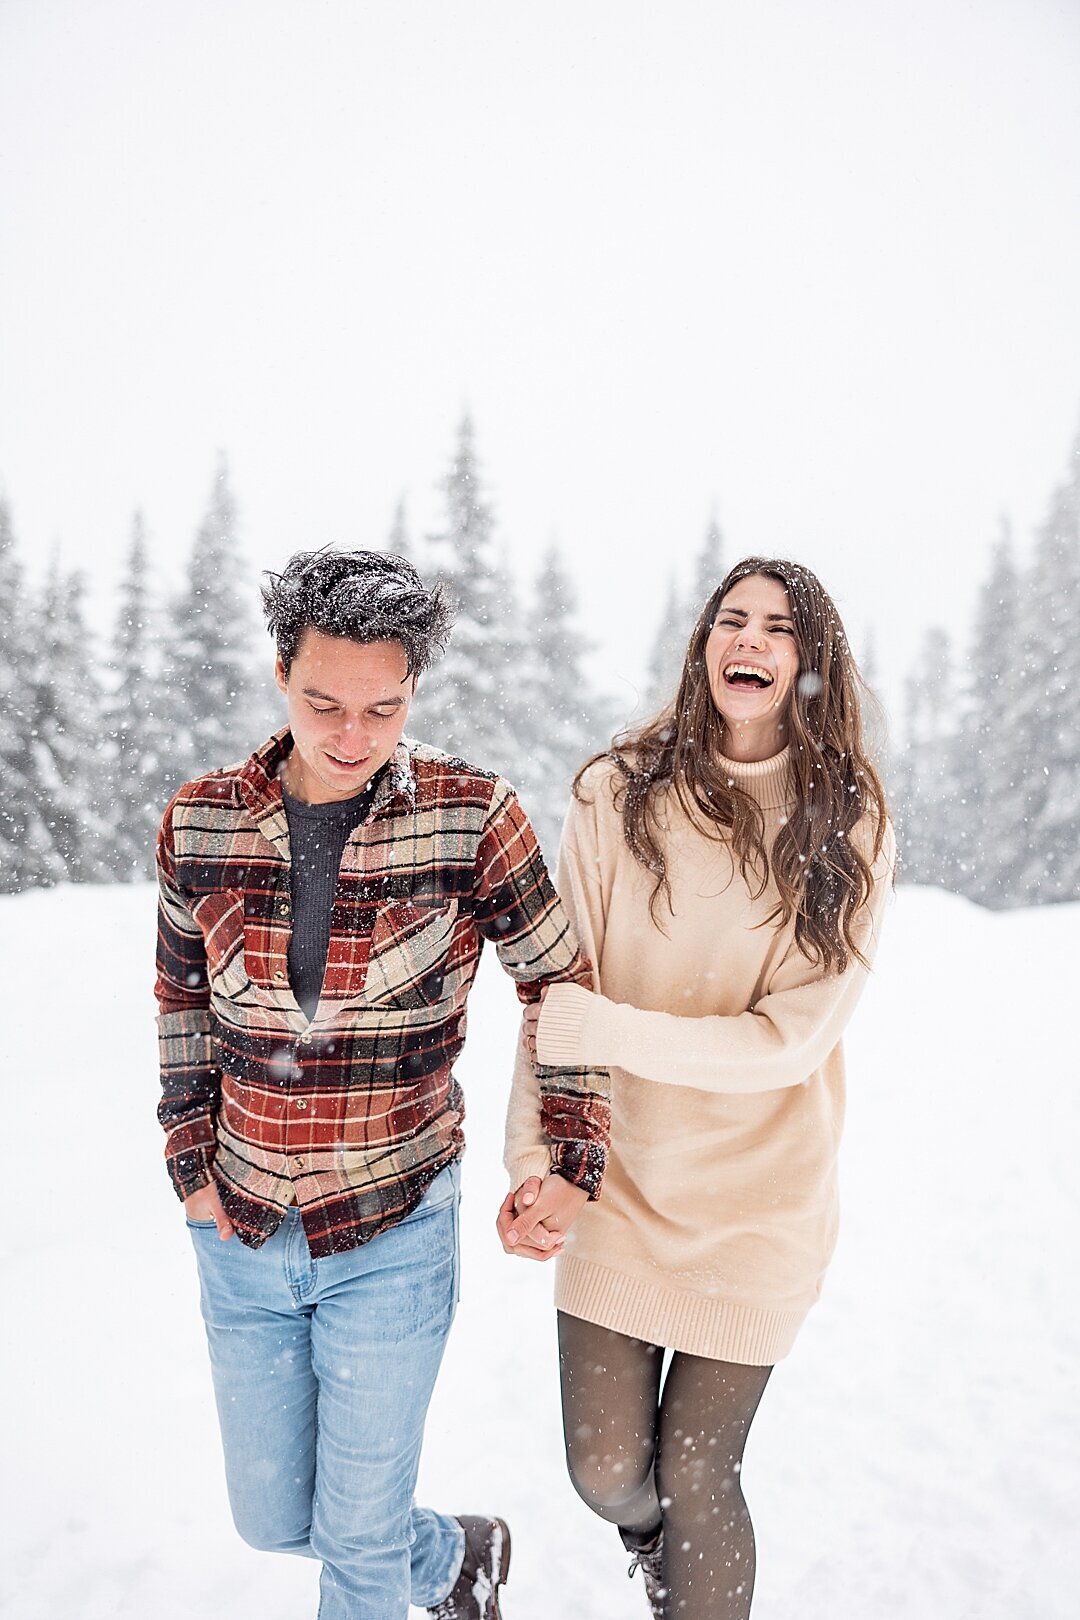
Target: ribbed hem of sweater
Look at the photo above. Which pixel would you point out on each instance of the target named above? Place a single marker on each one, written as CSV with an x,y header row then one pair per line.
x,y
748,1334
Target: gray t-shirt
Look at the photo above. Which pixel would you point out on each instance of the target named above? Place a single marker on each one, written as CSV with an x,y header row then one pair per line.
x,y
318,834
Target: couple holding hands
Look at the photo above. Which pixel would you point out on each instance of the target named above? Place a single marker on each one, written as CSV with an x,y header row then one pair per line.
x,y
677,1096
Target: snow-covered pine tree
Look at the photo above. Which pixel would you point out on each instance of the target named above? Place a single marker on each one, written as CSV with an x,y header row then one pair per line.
x,y
217,705
567,718
70,768
399,542
679,618
868,660
991,758
708,572
875,722
930,789
135,726
471,702
1051,737
668,653
27,855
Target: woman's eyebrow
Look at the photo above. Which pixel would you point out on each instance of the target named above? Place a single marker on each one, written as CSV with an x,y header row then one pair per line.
x,y
772,618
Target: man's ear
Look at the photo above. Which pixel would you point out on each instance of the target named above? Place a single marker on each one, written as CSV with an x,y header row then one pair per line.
x,y
280,676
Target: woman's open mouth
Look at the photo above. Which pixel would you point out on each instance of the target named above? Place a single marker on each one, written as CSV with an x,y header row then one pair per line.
x,y
747,677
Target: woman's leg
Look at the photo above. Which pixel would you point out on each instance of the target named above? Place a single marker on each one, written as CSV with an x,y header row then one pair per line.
x,y
706,1411
610,1395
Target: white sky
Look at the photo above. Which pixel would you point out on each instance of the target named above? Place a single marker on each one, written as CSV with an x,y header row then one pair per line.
x,y
816,263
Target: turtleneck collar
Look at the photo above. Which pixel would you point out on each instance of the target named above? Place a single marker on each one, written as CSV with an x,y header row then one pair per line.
x,y
766,780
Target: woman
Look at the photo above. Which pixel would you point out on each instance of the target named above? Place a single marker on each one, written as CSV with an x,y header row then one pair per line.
x,y
727,866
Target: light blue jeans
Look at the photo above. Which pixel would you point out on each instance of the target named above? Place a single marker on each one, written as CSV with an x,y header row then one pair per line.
x,y
323,1370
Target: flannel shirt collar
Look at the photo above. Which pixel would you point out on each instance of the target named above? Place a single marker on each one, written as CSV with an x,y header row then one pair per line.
x,y
260,788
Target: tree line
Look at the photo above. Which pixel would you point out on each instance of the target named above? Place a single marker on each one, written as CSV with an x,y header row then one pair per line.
x,y
95,739
987,781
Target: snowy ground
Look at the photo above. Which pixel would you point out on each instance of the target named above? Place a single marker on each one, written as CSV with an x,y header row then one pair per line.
x,y
917,1457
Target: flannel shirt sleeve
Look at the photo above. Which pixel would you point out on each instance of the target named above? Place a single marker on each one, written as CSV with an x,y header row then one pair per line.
x,y
190,1079
515,906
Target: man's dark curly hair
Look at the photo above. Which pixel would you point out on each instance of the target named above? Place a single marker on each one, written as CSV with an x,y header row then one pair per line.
x,y
361,596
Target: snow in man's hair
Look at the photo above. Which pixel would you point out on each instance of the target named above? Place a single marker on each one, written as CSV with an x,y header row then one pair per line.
x,y
363,596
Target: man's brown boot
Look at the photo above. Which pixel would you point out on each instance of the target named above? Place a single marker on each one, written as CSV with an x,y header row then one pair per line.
x,y
475,1594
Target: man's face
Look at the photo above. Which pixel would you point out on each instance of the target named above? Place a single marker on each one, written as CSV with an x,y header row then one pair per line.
x,y
347,709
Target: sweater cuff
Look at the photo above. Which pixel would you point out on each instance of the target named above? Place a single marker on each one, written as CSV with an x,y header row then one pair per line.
x,y
562,1021
536,1162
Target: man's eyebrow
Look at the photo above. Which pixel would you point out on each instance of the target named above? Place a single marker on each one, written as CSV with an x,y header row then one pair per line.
x,y
328,697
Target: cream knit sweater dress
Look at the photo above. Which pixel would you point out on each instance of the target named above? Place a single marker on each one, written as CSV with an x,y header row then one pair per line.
x,y
719,1209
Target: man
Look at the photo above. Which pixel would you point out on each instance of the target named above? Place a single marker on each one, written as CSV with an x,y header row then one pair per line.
x,y
323,907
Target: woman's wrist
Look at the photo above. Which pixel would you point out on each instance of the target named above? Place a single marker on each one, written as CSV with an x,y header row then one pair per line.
x,y
561,1029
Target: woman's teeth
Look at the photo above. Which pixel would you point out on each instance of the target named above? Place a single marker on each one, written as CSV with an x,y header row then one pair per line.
x,y
748,672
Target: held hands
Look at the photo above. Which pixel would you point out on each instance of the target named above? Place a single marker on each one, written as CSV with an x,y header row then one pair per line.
x,y
206,1205
533,1221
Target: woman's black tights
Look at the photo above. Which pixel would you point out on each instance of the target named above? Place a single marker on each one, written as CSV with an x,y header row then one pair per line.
x,y
648,1458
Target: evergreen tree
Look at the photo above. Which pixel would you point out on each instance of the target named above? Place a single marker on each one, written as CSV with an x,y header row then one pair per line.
x,y
399,541
134,722
1050,710
67,725
991,758
567,719
217,705
472,702
680,616
27,855
875,723
931,791
708,572
668,653
868,662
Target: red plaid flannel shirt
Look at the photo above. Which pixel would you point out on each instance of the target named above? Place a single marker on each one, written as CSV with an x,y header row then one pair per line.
x,y
353,1115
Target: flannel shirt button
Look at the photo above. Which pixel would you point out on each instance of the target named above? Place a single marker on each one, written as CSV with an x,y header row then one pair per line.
x,y
283,909
301,1102
298,1163
278,974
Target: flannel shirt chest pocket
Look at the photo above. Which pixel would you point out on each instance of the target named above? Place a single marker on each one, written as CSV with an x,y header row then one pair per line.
x,y
220,916
410,948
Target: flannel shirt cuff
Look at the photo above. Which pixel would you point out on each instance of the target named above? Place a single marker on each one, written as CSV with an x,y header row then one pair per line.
x,y
582,1164
190,1171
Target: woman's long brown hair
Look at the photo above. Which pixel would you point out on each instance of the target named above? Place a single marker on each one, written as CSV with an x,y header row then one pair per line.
x,y
823,874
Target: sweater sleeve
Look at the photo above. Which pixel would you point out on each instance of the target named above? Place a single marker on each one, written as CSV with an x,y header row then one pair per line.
x,y
778,1042
527,1148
